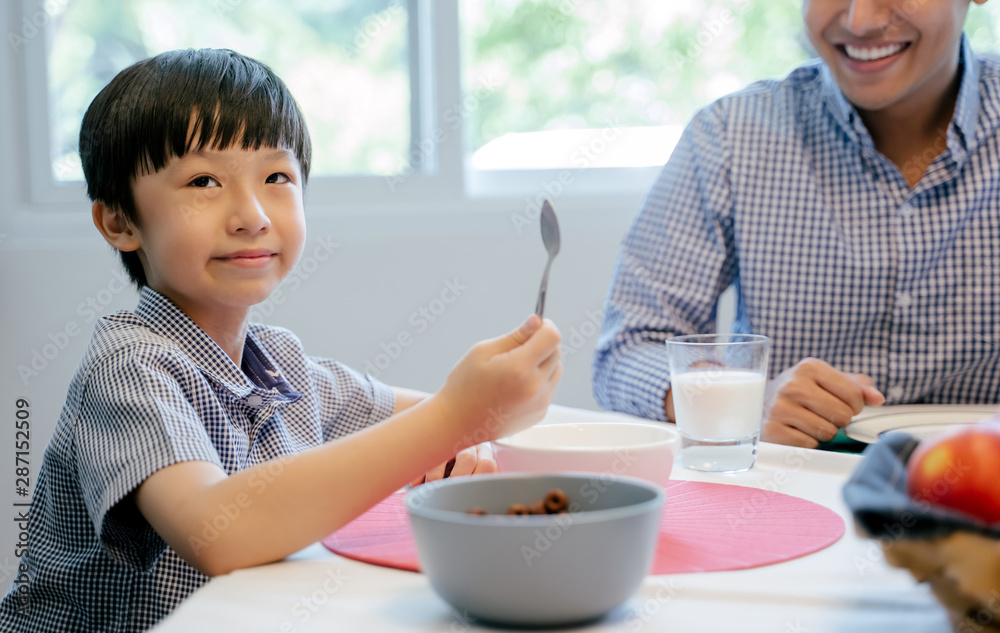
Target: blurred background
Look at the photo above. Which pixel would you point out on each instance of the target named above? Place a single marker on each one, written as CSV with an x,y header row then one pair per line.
x,y
438,128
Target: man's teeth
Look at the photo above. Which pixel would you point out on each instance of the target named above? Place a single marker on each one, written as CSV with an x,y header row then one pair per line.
x,y
869,54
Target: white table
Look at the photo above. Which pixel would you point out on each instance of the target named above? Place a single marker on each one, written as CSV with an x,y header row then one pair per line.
x,y
844,588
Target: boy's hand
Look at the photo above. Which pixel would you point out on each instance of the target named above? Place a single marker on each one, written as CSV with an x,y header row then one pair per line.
x,y
807,404
504,385
475,460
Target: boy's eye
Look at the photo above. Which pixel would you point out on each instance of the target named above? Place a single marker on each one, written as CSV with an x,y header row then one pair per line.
x,y
204,181
277,178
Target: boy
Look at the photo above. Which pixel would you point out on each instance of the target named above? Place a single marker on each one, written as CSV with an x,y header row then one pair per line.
x,y
193,443
854,206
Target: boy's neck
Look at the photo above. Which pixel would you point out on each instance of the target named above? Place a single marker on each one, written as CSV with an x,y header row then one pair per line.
x,y
914,132
231,341
228,330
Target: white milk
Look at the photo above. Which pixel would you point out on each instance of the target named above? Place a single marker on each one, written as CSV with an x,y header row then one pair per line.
x,y
718,404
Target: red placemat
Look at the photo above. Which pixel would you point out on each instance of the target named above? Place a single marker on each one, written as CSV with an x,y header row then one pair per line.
x,y
705,527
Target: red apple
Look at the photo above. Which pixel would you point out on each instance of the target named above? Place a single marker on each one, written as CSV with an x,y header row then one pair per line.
x,y
959,471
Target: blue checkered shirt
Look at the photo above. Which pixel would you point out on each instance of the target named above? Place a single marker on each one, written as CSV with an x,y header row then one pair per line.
x,y
779,191
153,390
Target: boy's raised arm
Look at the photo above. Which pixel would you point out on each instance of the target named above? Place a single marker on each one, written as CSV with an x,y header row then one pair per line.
x,y
278,507
474,460
406,398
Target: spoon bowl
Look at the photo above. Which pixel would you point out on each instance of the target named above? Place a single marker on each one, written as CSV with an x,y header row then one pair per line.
x,y
552,240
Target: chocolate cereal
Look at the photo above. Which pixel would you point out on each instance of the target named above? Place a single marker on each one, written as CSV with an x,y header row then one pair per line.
x,y
555,502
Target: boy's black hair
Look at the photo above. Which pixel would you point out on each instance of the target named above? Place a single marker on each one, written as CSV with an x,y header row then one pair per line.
x,y
142,119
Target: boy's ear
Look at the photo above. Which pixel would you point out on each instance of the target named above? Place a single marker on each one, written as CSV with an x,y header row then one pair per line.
x,y
114,227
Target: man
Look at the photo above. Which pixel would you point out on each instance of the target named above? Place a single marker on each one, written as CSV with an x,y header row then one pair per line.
x,y
854,205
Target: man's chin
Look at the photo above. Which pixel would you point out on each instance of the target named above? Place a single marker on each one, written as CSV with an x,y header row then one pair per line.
x,y
871,101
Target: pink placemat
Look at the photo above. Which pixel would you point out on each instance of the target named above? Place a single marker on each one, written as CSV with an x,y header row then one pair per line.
x,y
705,527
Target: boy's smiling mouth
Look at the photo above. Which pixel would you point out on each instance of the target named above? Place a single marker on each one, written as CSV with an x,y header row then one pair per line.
x,y
250,258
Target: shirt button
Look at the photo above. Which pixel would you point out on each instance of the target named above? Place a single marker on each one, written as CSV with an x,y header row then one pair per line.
x,y
254,401
895,392
904,300
906,210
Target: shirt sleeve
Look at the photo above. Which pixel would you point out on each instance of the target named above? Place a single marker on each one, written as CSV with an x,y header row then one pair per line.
x,y
349,399
135,419
674,262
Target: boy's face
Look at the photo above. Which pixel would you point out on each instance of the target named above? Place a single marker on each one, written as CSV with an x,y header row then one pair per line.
x,y
886,53
219,230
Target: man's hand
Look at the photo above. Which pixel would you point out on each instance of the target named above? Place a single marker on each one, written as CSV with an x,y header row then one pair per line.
x,y
807,404
475,460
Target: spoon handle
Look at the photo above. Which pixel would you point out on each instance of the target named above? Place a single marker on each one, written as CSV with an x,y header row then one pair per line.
x,y
542,290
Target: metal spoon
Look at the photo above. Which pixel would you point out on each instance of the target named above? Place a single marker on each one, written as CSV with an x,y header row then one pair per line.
x,y
550,237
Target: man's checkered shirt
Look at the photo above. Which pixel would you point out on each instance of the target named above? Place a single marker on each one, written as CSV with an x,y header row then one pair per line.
x,y
779,191
153,390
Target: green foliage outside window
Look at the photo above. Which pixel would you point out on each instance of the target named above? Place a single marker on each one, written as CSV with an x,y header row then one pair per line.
x,y
588,63
532,64
345,61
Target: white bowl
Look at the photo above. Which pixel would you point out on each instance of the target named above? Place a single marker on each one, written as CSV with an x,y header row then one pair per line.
x,y
636,449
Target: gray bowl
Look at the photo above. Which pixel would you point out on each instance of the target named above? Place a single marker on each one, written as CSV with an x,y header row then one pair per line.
x,y
536,570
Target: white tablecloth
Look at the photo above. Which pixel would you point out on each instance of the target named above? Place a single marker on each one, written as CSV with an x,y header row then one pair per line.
x,y
844,588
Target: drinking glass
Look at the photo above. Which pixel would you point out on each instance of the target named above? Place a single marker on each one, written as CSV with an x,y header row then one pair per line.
x,y
717,382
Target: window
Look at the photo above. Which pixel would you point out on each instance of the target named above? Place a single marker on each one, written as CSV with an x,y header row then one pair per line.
x,y
610,84
582,83
345,62
454,100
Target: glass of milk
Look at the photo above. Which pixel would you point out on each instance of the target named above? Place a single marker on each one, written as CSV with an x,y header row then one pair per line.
x,y
717,382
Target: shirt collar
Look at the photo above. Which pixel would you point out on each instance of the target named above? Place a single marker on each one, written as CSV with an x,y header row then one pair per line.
x,y
843,112
966,106
166,319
